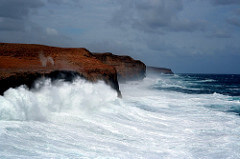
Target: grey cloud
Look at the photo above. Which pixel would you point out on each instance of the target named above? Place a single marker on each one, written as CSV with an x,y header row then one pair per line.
x,y
234,21
18,9
16,24
34,34
8,24
188,26
71,3
225,2
154,16
14,14
110,46
220,34
237,12
159,45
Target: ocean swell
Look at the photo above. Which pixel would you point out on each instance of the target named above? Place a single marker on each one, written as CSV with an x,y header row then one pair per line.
x,y
84,120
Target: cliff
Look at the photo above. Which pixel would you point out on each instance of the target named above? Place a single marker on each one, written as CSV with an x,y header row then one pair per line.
x,y
127,68
159,70
24,63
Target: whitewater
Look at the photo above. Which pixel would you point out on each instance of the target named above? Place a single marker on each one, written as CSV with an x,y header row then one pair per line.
x,y
165,116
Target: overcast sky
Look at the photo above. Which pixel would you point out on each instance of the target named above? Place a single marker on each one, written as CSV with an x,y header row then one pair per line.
x,y
188,36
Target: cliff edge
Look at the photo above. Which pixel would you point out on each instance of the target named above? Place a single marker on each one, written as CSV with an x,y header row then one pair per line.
x,y
24,63
127,68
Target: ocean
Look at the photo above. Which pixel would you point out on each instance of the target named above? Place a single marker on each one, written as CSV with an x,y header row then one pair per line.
x,y
163,116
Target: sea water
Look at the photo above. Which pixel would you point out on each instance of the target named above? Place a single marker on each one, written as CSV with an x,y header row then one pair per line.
x,y
163,116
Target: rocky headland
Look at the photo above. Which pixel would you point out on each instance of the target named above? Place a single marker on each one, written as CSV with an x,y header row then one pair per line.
x,y
24,63
158,70
127,68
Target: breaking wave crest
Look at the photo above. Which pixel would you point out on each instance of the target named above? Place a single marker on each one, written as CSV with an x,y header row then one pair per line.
x,y
58,97
83,120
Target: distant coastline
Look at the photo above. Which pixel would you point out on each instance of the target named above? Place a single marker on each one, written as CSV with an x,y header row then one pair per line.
x,y
151,69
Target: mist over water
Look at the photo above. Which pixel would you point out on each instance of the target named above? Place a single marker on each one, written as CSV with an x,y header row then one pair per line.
x,y
167,116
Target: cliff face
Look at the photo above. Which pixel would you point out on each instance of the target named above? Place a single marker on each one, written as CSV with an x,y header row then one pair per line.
x,y
127,68
24,63
159,70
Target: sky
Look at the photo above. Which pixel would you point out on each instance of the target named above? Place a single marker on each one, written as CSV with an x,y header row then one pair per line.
x,y
188,36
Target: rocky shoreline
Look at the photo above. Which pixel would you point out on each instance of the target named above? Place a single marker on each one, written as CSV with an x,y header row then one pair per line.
x,y
24,63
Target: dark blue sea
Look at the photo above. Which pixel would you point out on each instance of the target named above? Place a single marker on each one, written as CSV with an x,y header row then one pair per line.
x,y
163,116
222,84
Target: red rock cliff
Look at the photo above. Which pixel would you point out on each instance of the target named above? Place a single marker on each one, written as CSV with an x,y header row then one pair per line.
x,y
127,68
23,63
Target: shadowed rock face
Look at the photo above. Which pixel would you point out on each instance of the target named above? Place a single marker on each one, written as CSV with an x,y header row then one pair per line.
x,y
159,70
127,68
28,78
24,63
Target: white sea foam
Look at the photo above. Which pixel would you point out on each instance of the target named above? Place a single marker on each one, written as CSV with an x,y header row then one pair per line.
x,y
60,97
84,120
